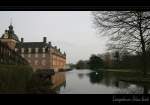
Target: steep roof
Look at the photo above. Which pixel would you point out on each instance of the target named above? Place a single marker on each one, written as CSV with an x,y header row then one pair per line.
x,y
33,44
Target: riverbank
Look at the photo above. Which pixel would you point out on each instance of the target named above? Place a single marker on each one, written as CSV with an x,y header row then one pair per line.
x,y
121,70
131,76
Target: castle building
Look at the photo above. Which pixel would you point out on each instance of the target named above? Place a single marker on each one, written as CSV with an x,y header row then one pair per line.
x,y
40,55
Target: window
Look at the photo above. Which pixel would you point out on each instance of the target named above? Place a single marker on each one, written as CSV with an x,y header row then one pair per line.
x,y
29,55
43,50
44,55
22,50
22,55
36,62
29,50
16,49
54,63
43,62
36,55
36,50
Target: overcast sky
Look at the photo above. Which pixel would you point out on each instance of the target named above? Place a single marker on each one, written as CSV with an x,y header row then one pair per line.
x,y
71,31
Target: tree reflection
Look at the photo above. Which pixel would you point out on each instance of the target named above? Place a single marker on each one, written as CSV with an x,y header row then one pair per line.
x,y
134,88
116,83
145,89
95,77
125,86
59,82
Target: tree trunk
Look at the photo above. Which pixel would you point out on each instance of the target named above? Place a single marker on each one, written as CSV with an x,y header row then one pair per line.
x,y
143,45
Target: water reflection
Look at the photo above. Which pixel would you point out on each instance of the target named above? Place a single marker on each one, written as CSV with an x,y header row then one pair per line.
x,y
135,88
89,82
80,75
58,80
95,77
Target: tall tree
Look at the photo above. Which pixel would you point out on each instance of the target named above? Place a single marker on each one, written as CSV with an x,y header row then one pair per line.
x,y
95,62
127,30
82,64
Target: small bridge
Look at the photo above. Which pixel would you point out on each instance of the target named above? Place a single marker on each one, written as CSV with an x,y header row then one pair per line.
x,y
10,57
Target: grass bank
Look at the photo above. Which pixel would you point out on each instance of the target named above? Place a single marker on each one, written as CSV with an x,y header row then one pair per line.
x,y
14,78
18,79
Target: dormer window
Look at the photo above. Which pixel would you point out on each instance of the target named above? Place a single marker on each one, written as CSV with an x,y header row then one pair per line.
x,y
5,36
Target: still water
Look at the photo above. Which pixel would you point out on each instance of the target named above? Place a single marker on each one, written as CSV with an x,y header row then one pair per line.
x,y
90,82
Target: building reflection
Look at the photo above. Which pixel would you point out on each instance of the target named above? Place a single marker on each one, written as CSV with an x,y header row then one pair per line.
x,y
58,80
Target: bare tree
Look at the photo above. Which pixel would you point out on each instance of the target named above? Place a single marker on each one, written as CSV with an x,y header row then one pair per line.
x,y
128,30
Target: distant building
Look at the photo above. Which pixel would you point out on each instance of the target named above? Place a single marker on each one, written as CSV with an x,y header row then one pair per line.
x,y
40,55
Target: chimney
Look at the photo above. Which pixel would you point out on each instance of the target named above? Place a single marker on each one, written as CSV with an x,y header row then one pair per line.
x,y
22,40
44,39
50,44
64,53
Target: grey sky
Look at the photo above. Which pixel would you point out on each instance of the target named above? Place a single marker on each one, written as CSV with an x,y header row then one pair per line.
x,y
71,31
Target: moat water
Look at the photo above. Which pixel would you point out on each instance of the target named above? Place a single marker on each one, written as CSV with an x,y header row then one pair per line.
x,y
90,82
